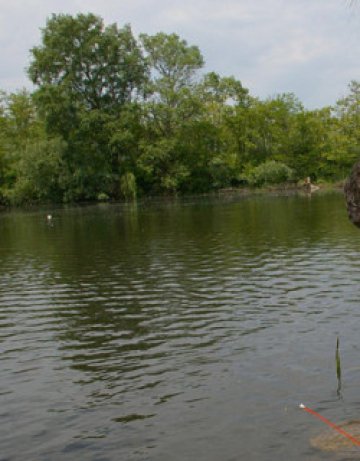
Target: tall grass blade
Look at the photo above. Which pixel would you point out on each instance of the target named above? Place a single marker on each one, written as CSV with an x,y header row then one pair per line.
x,y
338,366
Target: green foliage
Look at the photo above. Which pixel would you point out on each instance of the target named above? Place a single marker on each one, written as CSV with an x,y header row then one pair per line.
x,y
21,132
174,64
115,117
102,197
86,75
344,135
38,173
98,67
128,185
268,173
338,365
161,167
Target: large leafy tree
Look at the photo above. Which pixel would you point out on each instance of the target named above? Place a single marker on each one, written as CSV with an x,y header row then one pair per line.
x,y
174,64
30,161
347,110
171,105
225,104
87,75
4,145
346,132
98,67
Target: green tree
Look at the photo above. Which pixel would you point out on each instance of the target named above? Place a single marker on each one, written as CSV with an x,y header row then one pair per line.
x,y
171,104
30,161
345,132
98,67
174,65
309,143
87,74
225,105
38,172
271,122
4,146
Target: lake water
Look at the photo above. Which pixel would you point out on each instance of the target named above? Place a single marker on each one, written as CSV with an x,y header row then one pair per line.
x,y
181,330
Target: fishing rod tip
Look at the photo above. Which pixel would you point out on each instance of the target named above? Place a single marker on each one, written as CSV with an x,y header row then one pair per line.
x,y
302,406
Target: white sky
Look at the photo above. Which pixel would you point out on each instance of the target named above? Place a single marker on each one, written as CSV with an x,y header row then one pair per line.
x,y
308,47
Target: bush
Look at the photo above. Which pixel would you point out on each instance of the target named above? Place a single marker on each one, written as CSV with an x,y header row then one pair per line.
x,y
38,172
128,186
102,197
270,172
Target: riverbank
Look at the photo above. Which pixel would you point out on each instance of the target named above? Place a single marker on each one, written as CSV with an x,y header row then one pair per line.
x,y
286,187
278,189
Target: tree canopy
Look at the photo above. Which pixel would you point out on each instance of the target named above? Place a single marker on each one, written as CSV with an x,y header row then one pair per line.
x,y
96,66
114,115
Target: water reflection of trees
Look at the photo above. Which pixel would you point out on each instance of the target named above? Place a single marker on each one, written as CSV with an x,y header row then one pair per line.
x,y
80,235
112,271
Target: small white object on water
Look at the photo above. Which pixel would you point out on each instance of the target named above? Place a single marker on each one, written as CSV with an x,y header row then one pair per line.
x,y
49,217
302,406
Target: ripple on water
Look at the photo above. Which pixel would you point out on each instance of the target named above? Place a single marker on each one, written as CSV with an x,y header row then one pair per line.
x,y
143,332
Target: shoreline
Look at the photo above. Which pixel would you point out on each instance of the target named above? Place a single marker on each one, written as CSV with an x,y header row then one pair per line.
x,y
275,190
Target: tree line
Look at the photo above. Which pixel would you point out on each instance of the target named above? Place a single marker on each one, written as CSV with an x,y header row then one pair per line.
x,y
113,116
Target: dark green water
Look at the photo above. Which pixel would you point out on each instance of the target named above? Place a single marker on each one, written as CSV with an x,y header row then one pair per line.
x,y
177,331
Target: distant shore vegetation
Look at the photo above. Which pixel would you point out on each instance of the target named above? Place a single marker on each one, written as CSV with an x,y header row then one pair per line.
x,y
114,116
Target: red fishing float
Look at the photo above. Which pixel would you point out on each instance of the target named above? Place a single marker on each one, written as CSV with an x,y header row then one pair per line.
x,y
331,424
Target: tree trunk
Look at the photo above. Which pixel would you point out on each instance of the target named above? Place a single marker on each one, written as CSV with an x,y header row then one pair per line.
x,y
352,194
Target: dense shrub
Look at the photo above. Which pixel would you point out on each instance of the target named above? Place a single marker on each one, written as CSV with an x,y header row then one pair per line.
x,y
270,172
38,172
128,185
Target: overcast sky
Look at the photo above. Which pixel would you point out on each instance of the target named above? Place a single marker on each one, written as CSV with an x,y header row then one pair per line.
x,y
308,47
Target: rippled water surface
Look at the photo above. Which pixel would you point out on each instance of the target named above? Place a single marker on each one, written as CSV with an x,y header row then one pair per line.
x,y
188,330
